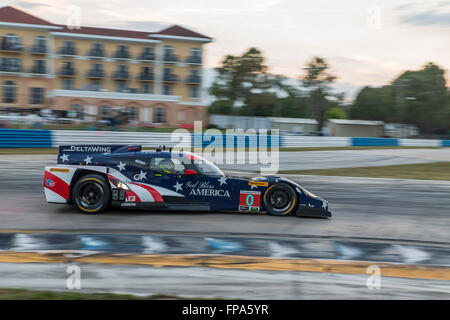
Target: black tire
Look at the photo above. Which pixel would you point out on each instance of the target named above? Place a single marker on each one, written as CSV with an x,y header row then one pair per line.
x,y
280,199
91,193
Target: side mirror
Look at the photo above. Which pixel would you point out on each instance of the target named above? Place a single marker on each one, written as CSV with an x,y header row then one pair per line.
x,y
189,172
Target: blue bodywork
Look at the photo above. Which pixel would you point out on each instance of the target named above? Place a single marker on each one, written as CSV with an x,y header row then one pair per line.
x,y
210,192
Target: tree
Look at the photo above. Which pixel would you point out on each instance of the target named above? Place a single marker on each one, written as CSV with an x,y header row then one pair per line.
x,y
415,97
335,113
374,104
317,81
239,76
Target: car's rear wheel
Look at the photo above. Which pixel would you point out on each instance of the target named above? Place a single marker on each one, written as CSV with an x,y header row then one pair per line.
x,y
91,193
280,199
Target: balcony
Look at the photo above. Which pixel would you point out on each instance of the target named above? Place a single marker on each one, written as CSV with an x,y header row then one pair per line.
x,y
12,47
96,53
38,49
170,58
67,51
9,68
170,78
121,55
95,74
193,80
194,60
145,77
120,75
38,70
146,56
67,72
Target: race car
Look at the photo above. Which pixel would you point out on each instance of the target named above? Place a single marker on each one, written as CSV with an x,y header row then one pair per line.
x,y
95,177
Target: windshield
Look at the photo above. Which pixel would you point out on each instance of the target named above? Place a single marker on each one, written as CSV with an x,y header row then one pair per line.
x,y
208,168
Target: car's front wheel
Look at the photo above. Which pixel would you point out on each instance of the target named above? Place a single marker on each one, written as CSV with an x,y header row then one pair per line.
x,y
280,199
91,193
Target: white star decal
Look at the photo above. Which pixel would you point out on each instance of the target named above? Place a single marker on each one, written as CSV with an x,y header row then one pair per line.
x,y
310,205
253,186
324,205
178,186
88,160
142,175
121,166
64,157
222,180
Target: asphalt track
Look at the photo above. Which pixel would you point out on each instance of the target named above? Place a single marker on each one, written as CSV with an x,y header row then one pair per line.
x,y
362,208
394,211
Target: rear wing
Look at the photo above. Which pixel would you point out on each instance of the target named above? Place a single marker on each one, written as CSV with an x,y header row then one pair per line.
x,y
96,149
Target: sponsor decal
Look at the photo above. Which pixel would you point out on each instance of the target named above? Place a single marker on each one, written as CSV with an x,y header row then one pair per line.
x,y
140,161
89,149
50,183
59,170
56,184
249,200
258,183
128,204
130,199
205,188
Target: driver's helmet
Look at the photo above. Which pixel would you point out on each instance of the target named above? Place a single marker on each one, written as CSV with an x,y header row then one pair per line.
x,y
167,166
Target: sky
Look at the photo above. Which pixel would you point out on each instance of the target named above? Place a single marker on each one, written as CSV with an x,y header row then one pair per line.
x,y
365,42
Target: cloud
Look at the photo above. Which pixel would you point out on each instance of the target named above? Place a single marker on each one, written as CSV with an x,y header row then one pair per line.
x,y
428,18
426,14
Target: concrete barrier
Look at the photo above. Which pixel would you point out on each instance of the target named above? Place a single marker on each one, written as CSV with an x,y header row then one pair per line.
x,y
12,138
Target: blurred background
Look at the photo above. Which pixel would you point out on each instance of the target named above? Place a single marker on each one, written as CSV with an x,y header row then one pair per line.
x,y
316,69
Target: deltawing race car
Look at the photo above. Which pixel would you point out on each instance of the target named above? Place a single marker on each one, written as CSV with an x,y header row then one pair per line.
x,y
95,177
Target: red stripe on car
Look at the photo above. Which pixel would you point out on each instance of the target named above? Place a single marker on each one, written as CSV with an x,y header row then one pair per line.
x,y
155,194
131,196
56,184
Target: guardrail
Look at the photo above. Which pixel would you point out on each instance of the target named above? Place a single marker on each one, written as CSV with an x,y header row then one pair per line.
x,y
14,138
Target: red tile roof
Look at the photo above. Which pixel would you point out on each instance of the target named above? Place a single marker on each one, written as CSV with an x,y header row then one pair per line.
x,y
11,14
181,32
107,32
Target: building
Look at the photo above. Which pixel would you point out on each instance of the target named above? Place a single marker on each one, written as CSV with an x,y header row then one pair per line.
x,y
239,122
294,125
354,128
95,73
285,125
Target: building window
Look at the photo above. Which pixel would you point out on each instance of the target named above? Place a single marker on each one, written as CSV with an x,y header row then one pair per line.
x,y
105,110
36,95
147,88
121,86
9,92
39,67
95,85
40,44
12,42
194,92
67,84
147,54
167,89
159,116
168,51
131,113
76,111
11,65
